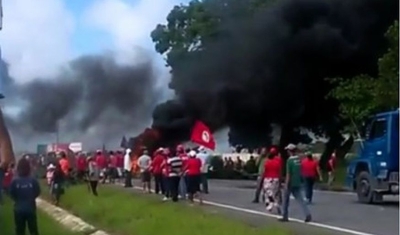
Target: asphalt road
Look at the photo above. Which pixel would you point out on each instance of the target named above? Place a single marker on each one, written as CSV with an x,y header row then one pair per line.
x,y
333,213
340,211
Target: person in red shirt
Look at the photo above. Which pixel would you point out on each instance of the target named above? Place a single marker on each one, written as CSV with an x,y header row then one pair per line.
x,y
101,162
8,177
112,167
331,169
157,171
81,166
193,172
310,171
65,166
272,175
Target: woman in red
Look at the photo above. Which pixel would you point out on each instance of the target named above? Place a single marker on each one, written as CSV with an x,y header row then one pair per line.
x,y
8,177
272,174
193,173
310,171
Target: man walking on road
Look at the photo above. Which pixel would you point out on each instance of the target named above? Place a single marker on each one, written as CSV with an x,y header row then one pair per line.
x,y
293,183
144,164
260,178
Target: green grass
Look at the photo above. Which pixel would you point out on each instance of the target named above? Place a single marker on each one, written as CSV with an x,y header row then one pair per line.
x,y
47,226
123,213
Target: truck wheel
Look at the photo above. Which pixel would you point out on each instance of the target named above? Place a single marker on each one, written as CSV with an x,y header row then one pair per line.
x,y
364,190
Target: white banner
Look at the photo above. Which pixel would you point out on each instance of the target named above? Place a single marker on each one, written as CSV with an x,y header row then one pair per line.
x,y
75,147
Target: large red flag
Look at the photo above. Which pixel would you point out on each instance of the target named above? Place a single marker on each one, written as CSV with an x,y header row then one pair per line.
x,y
202,135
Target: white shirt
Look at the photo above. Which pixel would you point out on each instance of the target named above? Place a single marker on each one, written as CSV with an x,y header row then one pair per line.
x,y
204,157
127,161
144,162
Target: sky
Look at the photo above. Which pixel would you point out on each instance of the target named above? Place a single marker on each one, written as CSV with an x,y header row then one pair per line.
x,y
37,39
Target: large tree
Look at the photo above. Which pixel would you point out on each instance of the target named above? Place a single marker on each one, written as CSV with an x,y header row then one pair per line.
x,y
364,95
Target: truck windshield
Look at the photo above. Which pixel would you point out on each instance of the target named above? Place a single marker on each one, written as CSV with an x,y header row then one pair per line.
x,y
378,129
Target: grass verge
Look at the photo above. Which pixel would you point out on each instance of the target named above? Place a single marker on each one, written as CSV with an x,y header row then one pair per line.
x,y
47,226
122,213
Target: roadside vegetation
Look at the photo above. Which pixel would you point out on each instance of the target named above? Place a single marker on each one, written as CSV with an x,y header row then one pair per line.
x,y
122,213
47,225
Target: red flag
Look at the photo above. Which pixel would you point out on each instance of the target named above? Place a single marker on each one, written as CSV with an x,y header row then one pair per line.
x,y
202,135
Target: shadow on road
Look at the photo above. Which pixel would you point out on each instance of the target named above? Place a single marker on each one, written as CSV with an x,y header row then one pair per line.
x,y
384,204
394,204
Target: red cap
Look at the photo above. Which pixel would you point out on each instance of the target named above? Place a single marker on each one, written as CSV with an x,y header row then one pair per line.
x,y
273,150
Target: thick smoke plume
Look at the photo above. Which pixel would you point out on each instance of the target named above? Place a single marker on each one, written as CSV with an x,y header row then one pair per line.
x,y
93,96
271,66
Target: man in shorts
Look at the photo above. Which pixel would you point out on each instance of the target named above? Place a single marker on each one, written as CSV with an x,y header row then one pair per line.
x,y
144,164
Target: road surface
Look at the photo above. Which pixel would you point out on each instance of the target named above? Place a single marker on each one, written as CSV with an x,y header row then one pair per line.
x,y
333,213
330,208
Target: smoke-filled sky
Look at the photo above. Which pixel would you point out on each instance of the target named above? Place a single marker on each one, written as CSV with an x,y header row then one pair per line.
x,y
37,41
271,66
89,67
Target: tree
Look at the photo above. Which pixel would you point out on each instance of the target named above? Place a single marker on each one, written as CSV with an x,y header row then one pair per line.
x,y
387,87
187,28
190,27
364,95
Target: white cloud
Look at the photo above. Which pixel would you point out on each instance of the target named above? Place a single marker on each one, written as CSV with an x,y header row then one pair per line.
x,y
128,24
36,37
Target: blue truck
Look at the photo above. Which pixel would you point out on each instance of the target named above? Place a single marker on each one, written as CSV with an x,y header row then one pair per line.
x,y
375,171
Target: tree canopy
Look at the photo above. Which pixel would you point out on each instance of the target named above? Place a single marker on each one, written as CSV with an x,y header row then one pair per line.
x,y
364,95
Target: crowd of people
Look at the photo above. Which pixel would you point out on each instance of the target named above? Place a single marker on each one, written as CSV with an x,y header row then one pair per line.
x,y
175,173
178,173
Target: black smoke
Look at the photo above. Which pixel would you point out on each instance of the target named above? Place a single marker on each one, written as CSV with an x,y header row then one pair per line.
x,y
92,94
271,66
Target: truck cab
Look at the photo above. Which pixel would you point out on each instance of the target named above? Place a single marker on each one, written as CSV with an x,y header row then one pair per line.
x,y
375,171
